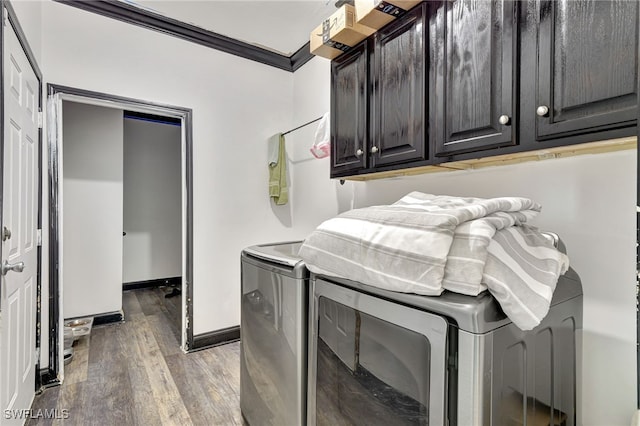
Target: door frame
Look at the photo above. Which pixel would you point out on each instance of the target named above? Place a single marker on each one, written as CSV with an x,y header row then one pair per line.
x,y
638,247
9,17
55,182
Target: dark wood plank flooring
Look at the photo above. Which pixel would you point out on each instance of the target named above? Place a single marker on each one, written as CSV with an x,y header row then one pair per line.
x,y
135,373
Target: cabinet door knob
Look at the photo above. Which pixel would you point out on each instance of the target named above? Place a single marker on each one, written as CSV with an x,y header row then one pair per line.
x,y
504,119
359,152
374,149
542,110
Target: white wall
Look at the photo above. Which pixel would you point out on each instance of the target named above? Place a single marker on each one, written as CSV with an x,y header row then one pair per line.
x,y
310,176
588,200
152,201
92,209
237,104
29,14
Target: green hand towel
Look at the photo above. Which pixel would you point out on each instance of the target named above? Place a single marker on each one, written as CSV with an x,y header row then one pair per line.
x,y
278,176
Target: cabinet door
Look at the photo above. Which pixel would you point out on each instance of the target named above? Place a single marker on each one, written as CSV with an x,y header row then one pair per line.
x,y
399,112
473,61
349,102
587,66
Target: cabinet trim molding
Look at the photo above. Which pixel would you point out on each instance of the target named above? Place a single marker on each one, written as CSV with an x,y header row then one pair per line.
x,y
612,145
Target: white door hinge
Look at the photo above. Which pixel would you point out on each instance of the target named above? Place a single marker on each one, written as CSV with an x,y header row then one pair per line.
x,y
5,16
37,356
39,237
40,119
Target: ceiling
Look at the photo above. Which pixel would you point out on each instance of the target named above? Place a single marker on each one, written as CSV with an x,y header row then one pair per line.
x,y
280,26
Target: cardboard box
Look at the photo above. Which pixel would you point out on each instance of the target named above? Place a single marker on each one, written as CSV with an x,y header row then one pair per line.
x,y
378,13
338,33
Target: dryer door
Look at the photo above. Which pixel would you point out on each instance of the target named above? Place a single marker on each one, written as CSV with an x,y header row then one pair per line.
x,y
373,362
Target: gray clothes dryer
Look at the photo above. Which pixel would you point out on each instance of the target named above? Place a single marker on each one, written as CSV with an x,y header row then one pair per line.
x,y
379,357
273,347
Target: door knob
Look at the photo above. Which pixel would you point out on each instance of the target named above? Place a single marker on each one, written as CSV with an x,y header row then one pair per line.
x,y
15,267
504,119
359,152
542,110
374,149
6,234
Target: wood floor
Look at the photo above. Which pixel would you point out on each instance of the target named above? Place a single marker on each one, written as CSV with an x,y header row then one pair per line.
x,y
134,373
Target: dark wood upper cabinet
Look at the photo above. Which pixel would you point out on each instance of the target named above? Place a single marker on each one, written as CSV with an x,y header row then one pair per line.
x,y
457,80
473,73
399,113
587,69
349,110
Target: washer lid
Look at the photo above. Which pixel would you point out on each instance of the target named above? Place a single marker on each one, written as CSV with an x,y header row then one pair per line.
x,y
285,253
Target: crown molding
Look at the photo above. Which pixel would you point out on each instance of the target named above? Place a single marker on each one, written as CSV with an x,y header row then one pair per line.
x,y
133,15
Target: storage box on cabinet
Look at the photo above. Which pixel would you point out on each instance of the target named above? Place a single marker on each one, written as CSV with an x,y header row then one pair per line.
x,y
338,33
378,13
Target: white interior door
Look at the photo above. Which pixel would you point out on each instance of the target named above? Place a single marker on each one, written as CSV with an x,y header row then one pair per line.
x,y
91,212
19,233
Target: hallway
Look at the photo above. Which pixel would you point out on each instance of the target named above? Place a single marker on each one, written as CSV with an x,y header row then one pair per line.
x,y
134,373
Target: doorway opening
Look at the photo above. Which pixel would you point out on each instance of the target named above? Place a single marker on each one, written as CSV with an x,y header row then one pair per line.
x,y
133,113
151,249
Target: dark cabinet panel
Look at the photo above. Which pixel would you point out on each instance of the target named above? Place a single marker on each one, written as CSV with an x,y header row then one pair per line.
x,y
349,103
399,113
587,66
462,79
473,65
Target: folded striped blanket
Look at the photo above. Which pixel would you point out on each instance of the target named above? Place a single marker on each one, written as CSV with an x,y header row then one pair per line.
x,y
426,243
522,271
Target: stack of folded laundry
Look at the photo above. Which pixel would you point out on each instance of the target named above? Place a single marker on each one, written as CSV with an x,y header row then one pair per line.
x,y
425,244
